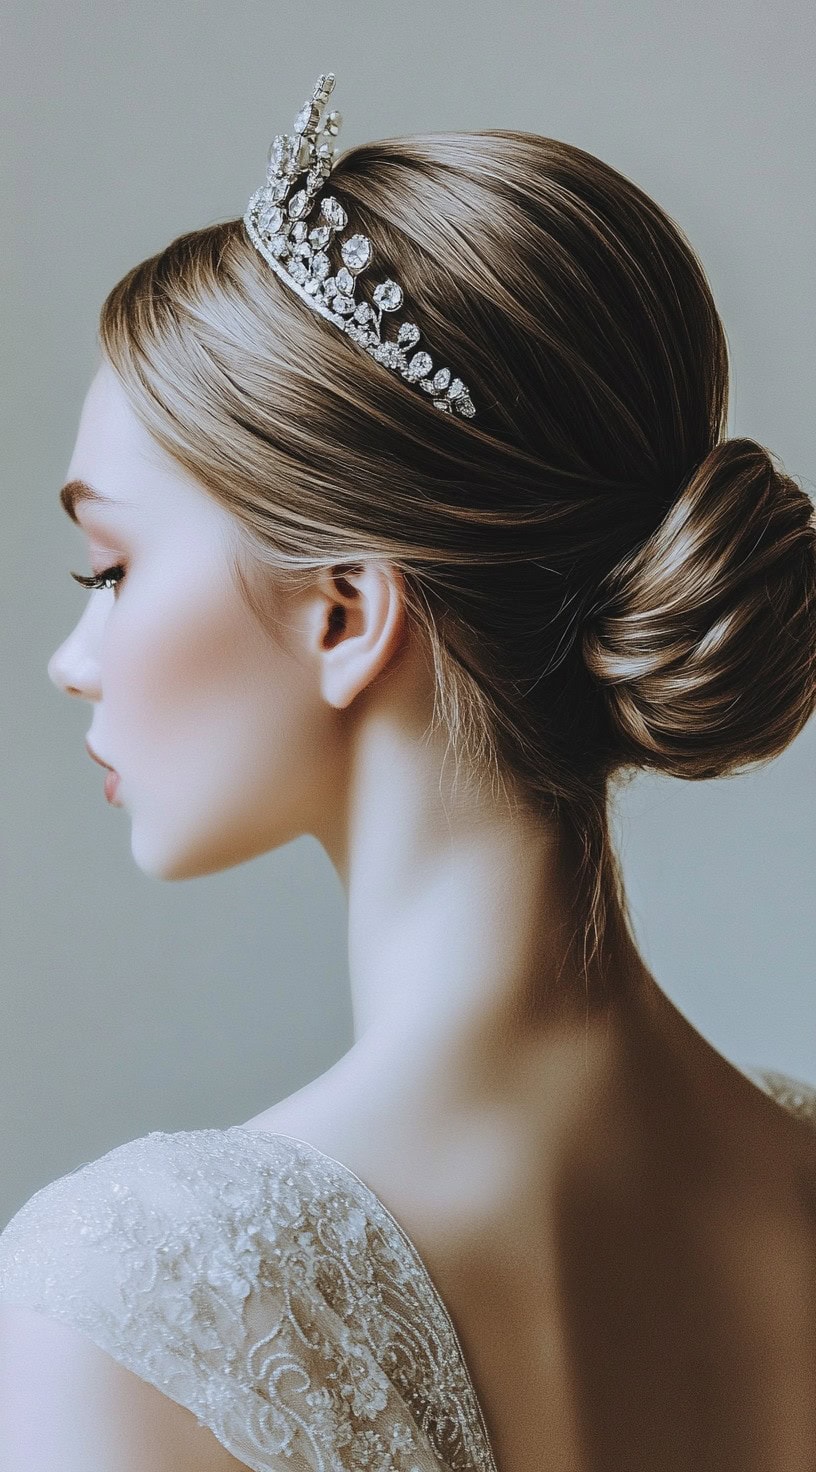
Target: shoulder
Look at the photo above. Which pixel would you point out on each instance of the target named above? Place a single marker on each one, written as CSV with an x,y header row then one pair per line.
x,y
123,1286
67,1403
254,1281
91,1241
792,1094
791,1134
244,1276
138,1244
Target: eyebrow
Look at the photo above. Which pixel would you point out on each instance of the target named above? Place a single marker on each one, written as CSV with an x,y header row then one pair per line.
x,y
74,492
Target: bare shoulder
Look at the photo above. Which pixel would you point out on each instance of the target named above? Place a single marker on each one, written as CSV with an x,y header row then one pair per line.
x,y
789,1111
65,1402
790,1103
796,1097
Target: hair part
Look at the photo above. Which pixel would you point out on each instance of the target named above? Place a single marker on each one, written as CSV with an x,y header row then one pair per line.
x,y
602,582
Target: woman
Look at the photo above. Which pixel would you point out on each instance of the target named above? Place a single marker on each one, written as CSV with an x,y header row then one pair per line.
x,y
531,1218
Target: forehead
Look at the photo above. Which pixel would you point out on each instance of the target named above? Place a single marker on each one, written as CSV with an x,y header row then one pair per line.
x,y
117,465
109,431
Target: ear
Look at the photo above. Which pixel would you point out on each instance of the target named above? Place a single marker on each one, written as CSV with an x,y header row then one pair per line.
x,y
361,628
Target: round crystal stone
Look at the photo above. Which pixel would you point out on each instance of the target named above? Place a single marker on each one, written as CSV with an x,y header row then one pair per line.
x,y
363,312
408,334
343,304
356,252
279,245
388,295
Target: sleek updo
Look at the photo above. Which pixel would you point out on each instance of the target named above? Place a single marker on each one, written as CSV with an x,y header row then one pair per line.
x,y
602,582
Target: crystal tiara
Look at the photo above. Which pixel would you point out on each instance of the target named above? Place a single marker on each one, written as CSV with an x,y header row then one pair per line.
x,y
276,221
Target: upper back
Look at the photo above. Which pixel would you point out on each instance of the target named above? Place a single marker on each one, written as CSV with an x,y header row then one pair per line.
x,y
628,1313
260,1284
657,1328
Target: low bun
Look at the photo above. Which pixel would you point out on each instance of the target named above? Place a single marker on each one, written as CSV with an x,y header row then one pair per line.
x,y
705,637
568,633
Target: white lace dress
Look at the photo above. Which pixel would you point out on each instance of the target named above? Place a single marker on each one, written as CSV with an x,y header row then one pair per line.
x,y
261,1284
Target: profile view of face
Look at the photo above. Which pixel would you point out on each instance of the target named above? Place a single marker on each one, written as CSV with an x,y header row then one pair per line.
x,y
220,733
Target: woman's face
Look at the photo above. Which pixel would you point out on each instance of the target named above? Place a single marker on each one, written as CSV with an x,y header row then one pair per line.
x,y
224,744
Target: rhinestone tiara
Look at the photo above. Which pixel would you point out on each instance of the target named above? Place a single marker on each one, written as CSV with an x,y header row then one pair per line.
x,y
295,239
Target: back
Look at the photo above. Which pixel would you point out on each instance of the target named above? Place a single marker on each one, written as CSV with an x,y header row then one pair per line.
x,y
637,1324
261,1284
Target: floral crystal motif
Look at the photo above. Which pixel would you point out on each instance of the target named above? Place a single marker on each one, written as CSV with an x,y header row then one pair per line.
x,y
278,223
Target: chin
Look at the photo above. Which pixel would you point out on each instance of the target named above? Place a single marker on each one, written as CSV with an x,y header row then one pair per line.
x,y
162,856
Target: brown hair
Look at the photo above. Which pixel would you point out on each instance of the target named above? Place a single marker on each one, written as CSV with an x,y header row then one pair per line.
x,y
602,581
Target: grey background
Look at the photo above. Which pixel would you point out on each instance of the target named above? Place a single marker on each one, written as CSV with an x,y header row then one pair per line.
x,y
131,1004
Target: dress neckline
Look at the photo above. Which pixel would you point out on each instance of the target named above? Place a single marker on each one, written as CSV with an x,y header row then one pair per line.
x,y
796,1097
416,1256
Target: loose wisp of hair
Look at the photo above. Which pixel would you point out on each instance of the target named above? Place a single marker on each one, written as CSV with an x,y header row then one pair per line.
x,y
603,581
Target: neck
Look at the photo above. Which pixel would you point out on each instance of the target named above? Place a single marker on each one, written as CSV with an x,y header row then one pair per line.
x,y
465,952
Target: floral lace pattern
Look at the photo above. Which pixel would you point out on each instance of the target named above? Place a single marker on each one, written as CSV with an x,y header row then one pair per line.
x,y
264,1286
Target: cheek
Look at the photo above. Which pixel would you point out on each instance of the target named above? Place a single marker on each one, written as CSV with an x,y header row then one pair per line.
x,y
205,707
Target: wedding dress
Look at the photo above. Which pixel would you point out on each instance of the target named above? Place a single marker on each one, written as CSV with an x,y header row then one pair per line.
x,y
260,1283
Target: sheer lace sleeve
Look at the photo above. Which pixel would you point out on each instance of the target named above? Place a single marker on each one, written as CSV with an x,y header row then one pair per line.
x,y
230,1271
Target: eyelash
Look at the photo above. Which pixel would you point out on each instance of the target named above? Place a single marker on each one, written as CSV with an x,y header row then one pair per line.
x,y
101,578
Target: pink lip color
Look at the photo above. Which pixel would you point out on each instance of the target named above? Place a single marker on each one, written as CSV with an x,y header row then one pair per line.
x,y
111,786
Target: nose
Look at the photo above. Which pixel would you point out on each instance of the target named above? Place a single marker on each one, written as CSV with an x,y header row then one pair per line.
x,y
73,671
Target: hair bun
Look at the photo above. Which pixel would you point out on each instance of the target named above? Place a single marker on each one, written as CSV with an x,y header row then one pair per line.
x,y
705,636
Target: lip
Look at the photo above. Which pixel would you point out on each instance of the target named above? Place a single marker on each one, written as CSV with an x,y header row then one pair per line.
x,y
112,788
93,755
111,780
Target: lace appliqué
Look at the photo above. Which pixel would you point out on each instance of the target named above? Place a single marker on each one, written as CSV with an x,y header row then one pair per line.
x,y
795,1096
260,1284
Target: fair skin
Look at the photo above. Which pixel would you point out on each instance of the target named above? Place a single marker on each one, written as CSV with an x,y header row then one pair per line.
x,y
529,1130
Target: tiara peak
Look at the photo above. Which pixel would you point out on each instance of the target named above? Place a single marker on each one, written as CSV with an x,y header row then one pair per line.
x,y
295,237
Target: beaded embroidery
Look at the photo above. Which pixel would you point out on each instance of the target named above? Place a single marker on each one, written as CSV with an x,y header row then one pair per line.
x,y
260,1284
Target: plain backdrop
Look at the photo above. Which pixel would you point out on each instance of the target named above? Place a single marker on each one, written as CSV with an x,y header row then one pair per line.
x,y
131,1004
